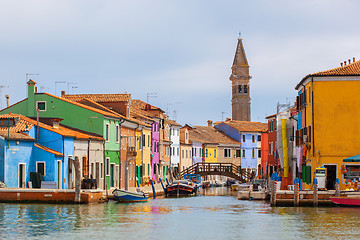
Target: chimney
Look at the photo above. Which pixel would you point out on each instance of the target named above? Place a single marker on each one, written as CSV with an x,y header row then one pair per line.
x,y
210,123
345,63
62,93
353,59
341,64
7,100
349,61
56,122
228,120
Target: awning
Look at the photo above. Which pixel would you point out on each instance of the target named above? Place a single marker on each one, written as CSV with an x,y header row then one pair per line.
x,y
355,158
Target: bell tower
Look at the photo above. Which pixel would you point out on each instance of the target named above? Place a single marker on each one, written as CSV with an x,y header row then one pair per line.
x,y
240,79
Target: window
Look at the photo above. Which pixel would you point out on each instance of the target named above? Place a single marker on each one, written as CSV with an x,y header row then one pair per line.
x,y
259,153
270,149
186,153
92,170
148,140
178,151
40,168
214,153
227,152
253,138
239,89
186,135
206,153
101,170
85,166
259,138
107,132
107,166
238,153
253,153
243,137
117,133
245,88
41,105
182,153
243,153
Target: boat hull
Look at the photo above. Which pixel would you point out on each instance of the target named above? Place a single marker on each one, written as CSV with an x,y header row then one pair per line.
x,y
346,201
129,197
180,190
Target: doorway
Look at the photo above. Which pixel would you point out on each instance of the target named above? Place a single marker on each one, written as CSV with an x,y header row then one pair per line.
x,y
112,175
22,175
59,176
97,174
331,176
70,174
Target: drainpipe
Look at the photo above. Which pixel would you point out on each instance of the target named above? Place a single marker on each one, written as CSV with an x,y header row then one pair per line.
x,y
312,113
120,139
63,159
37,125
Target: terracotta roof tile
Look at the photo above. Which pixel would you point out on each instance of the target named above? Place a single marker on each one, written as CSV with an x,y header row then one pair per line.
x,y
171,122
208,134
245,126
56,153
16,136
142,105
20,124
99,97
352,69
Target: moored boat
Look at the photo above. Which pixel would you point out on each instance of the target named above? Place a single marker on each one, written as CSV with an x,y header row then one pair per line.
x,y
124,196
181,188
346,201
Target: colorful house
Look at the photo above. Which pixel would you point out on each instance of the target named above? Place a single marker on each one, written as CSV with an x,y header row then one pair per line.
x,y
328,123
249,134
80,116
272,136
185,149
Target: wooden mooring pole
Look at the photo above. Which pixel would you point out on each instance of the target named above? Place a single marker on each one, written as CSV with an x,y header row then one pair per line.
x,y
315,192
77,180
296,192
337,189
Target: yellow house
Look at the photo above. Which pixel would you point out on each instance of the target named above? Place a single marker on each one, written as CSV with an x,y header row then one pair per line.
x,y
329,124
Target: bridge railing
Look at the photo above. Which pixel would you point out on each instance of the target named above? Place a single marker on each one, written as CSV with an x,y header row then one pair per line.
x,y
229,168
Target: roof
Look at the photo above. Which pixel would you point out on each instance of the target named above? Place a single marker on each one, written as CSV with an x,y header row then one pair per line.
x,y
56,153
245,126
16,136
171,122
271,116
142,105
21,125
105,113
99,97
208,134
352,69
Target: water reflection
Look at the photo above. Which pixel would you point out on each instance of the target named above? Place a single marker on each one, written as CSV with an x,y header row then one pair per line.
x,y
215,214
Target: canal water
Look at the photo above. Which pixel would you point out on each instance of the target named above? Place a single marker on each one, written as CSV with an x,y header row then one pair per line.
x,y
216,214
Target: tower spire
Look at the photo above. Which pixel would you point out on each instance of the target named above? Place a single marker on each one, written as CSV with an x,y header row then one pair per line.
x,y
240,79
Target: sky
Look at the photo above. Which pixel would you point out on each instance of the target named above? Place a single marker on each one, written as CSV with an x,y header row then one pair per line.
x,y
177,54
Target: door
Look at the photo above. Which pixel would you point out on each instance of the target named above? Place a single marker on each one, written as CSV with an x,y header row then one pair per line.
x,y
331,176
112,175
22,175
59,176
97,174
70,174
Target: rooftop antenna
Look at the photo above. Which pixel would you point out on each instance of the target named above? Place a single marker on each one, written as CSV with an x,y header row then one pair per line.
x,y
239,34
27,78
175,110
56,83
70,83
1,87
150,95
222,116
73,87
281,106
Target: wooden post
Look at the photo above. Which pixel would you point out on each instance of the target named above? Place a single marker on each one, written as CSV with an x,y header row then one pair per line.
x,y
275,188
315,192
337,189
77,180
272,189
296,192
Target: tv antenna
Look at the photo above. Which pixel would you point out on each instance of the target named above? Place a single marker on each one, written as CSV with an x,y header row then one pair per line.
x,y
150,95
56,83
222,116
70,83
1,87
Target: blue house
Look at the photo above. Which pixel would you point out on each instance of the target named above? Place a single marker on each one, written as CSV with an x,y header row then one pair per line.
x,y
249,134
30,146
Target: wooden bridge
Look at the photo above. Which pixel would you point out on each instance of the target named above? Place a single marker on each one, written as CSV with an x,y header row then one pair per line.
x,y
223,169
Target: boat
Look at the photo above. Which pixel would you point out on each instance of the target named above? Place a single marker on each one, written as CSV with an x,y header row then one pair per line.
x,y
346,201
195,179
124,196
206,184
180,188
